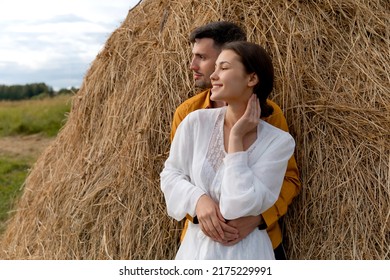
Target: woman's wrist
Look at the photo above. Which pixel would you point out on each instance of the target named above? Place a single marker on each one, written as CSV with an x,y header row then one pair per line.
x,y
235,143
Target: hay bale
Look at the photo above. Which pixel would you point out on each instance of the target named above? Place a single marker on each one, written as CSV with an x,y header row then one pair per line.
x,y
94,194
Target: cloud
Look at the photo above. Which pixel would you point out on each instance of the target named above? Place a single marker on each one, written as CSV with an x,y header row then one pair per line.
x,y
57,50
69,18
56,46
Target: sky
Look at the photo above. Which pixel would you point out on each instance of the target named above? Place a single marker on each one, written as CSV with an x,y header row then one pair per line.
x,y
55,41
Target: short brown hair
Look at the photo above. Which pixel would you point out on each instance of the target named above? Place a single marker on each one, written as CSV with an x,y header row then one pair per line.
x,y
220,31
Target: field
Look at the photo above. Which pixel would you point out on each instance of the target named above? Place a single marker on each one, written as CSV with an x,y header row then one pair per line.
x,y
44,116
26,129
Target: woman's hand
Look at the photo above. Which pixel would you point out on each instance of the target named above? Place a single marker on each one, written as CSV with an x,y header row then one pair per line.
x,y
210,218
249,121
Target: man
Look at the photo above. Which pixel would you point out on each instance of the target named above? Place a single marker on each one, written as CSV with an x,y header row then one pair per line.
x,y
207,41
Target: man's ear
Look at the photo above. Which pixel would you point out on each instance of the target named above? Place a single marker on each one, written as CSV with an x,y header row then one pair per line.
x,y
253,79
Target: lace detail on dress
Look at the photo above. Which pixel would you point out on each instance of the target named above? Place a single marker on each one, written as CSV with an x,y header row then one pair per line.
x,y
216,152
212,169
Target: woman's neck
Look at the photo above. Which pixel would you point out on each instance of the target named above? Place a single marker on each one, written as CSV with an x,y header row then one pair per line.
x,y
218,104
233,113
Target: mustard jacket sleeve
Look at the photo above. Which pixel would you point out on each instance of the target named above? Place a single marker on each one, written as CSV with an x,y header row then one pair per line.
x,y
291,183
180,113
199,101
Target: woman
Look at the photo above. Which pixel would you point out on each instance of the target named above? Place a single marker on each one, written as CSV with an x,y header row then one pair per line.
x,y
226,163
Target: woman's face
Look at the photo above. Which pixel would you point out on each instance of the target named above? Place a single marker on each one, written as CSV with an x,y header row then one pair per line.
x,y
230,82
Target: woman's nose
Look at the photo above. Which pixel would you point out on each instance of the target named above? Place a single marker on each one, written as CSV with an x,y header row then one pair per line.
x,y
213,76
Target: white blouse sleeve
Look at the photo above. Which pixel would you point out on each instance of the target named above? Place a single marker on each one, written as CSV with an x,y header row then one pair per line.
x,y
180,194
250,190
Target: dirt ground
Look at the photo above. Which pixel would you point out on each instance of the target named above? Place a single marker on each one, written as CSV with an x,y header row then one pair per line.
x,y
30,146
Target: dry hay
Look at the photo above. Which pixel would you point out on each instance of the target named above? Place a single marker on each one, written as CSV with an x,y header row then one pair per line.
x,y
94,194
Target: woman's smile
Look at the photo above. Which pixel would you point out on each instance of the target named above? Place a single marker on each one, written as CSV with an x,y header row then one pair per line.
x,y
216,86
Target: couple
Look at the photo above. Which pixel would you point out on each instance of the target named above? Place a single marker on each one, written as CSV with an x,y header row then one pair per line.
x,y
226,171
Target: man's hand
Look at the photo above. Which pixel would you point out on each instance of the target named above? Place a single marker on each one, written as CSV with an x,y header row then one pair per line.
x,y
244,226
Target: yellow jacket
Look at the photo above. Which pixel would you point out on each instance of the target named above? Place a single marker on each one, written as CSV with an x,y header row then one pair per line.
x,y
291,184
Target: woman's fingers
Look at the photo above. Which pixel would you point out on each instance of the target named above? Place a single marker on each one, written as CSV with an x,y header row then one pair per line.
x,y
248,121
210,218
258,111
212,228
216,229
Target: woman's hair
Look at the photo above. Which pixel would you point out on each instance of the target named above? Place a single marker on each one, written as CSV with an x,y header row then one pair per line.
x,y
256,60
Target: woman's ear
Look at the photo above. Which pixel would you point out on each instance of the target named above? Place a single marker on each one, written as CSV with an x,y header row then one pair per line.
x,y
253,79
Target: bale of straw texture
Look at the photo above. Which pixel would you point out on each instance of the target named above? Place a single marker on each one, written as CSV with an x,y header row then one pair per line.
x,y
94,194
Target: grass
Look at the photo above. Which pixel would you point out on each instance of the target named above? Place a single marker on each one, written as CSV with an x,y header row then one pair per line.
x,y
13,172
44,116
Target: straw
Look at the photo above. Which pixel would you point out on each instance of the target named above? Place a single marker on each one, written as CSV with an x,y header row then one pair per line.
x,y
95,193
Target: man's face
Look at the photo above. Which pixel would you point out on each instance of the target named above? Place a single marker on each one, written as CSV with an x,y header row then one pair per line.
x,y
204,55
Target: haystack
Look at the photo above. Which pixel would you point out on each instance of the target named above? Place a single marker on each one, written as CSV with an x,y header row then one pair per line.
x,y
94,194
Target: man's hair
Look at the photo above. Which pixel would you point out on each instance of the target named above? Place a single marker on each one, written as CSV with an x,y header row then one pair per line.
x,y
220,31
256,60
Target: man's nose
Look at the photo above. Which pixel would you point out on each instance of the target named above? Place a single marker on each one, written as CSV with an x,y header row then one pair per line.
x,y
194,65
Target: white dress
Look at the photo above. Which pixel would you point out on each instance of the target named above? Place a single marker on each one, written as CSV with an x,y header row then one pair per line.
x,y
243,183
